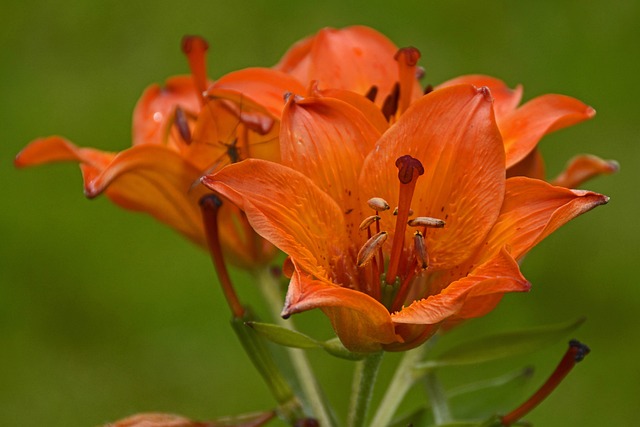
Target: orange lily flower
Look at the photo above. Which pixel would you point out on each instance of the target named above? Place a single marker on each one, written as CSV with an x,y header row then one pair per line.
x,y
523,127
358,58
385,280
178,136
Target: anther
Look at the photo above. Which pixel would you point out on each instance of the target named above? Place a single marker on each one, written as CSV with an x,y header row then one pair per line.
x,y
395,211
390,105
427,90
372,93
420,249
182,124
425,221
366,223
369,249
378,204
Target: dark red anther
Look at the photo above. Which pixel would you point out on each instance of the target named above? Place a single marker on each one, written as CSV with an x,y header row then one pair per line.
x,y
390,105
182,124
427,90
372,93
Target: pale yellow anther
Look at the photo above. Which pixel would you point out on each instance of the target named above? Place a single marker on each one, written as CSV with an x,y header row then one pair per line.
x,y
369,249
426,221
378,204
368,221
421,249
395,211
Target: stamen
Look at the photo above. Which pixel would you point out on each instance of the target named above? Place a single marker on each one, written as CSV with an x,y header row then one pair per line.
x,y
372,93
421,250
366,223
395,211
576,352
210,206
195,47
426,221
427,90
409,169
390,105
378,204
407,58
182,124
368,250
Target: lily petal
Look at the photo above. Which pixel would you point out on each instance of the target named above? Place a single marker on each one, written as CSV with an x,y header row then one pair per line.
x,y
505,99
533,209
58,149
327,140
470,296
156,180
531,166
523,129
156,106
583,168
307,224
354,58
265,86
361,322
453,133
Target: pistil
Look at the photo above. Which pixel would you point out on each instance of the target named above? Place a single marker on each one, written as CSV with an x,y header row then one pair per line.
x,y
195,47
210,206
576,352
407,59
409,169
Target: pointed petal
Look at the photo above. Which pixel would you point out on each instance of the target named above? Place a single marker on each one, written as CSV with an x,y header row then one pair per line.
x,y
155,108
327,140
532,210
531,166
525,127
361,322
57,149
505,99
288,209
469,296
264,86
155,180
453,133
582,168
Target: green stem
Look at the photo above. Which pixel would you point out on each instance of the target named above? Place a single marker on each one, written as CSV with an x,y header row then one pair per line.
x,y
402,381
437,398
310,388
255,346
364,379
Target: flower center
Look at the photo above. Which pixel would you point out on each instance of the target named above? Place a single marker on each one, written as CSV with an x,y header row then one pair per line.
x,y
391,287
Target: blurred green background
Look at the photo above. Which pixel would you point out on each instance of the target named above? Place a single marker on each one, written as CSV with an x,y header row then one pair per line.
x,y
105,313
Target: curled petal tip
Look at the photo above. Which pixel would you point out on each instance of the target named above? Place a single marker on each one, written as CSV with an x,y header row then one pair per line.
x,y
486,92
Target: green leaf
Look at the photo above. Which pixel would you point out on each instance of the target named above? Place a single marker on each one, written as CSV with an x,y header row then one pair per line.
x,y
499,346
284,336
335,348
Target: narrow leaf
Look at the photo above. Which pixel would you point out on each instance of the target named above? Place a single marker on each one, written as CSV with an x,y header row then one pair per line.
x,y
499,346
284,336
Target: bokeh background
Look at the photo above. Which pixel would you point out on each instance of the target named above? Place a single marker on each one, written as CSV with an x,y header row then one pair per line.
x,y
105,313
